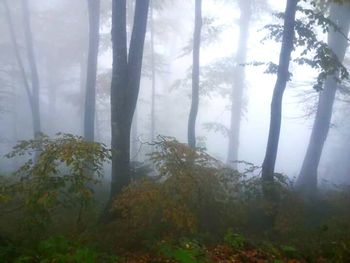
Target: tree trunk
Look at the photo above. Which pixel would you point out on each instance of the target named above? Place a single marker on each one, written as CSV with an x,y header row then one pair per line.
x,y
195,75
268,166
33,69
125,86
307,179
153,94
239,82
90,93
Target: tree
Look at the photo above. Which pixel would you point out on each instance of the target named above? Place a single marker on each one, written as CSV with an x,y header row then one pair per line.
x,y
191,132
239,81
33,89
281,82
307,179
125,86
153,69
33,68
90,93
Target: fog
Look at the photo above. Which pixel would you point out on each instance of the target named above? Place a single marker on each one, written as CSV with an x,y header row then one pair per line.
x,y
174,131
60,39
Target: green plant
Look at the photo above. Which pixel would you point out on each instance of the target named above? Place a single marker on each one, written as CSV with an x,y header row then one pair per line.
x,y
61,250
234,240
185,252
290,251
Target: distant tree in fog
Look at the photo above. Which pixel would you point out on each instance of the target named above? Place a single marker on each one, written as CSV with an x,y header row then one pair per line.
x,y
153,70
191,131
90,92
238,84
33,67
33,86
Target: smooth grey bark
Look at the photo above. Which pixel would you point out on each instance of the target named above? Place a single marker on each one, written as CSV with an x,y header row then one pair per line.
x,y
307,180
268,166
153,69
125,86
33,68
239,82
191,131
90,90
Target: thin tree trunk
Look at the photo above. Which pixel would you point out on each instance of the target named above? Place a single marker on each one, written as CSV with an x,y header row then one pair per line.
x,y
90,93
239,82
307,179
195,75
268,166
153,94
33,69
125,86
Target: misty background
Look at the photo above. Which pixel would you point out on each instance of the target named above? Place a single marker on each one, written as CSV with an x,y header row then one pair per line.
x,y
60,34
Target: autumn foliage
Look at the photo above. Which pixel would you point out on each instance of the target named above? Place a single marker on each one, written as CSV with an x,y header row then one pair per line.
x,y
192,208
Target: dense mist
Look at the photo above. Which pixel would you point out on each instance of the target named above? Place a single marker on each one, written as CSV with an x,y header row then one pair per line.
x,y
118,90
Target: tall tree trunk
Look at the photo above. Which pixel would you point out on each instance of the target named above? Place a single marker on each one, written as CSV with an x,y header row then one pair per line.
x,y
268,166
90,93
33,68
307,179
195,75
153,68
125,86
239,82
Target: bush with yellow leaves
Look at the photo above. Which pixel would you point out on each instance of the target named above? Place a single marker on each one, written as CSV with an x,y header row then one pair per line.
x,y
187,196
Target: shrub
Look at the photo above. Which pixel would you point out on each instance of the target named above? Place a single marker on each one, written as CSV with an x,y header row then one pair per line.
x,y
189,195
59,174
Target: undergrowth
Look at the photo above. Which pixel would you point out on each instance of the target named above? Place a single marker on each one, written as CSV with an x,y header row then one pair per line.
x,y
196,209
